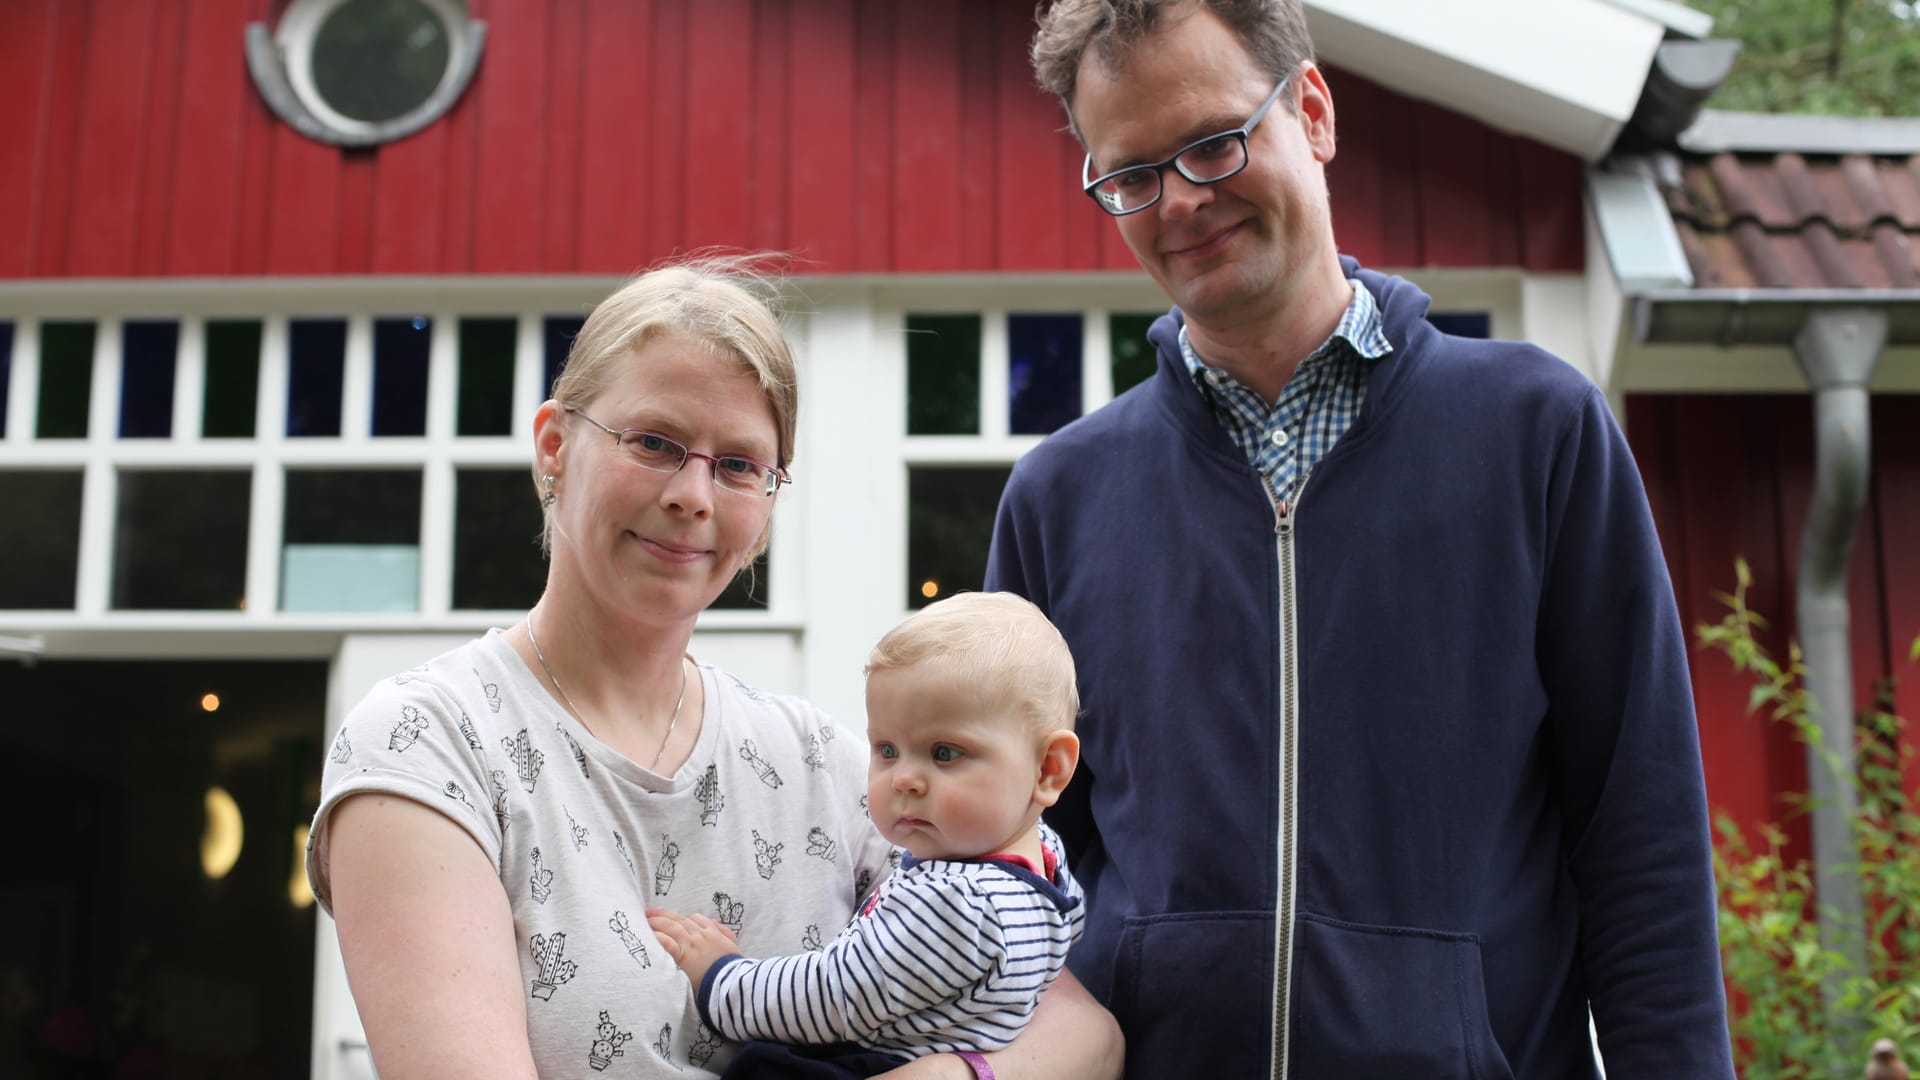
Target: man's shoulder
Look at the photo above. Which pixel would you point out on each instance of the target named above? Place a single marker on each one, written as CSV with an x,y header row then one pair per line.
x,y
1480,368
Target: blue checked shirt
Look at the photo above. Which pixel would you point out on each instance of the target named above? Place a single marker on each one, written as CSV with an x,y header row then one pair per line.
x,y
1316,407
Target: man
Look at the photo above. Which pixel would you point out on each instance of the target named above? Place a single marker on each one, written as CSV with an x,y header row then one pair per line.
x,y
1390,763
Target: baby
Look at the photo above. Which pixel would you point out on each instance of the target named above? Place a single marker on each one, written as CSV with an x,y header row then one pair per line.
x,y
970,712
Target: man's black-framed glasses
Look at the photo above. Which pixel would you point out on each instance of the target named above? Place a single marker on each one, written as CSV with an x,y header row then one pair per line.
x,y
656,452
1203,161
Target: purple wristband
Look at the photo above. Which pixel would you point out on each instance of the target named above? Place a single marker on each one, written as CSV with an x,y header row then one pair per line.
x,y
981,1070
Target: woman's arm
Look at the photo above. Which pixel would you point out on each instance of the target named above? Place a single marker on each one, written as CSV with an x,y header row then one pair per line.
x,y
1070,1035
427,936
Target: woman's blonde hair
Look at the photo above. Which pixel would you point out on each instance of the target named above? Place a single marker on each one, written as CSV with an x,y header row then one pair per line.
x,y
727,302
997,642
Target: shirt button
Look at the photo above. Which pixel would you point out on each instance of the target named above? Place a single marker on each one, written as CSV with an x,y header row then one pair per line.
x,y
1279,437
1214,377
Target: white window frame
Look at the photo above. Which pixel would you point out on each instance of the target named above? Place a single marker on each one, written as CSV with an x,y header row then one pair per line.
x,y
101,455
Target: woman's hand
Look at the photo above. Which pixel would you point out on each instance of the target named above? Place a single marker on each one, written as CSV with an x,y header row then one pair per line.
x,y
695,942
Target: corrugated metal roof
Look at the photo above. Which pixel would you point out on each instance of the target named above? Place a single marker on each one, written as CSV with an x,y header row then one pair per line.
x,y
1797,221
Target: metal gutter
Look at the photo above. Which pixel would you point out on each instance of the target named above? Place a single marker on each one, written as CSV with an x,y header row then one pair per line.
x,y
1718,131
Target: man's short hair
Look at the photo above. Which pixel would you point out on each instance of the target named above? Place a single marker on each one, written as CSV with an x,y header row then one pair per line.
x,y
1274,33
997,642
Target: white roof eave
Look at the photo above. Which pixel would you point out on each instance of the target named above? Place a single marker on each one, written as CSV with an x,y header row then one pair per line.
x,y
1566,73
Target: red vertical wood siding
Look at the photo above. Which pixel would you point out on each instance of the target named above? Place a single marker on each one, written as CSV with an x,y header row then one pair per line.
x,y
1689,448
865,136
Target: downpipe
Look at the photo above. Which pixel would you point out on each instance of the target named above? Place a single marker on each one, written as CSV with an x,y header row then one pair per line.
x,y
1837,351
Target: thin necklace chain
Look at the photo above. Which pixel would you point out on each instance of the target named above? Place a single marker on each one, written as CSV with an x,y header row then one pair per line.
x,y
671,721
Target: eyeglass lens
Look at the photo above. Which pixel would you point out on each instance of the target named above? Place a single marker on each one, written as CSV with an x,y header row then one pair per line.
x,y
661,454
1204,162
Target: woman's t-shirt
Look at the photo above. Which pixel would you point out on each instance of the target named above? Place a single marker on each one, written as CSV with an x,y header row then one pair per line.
x,y
764,828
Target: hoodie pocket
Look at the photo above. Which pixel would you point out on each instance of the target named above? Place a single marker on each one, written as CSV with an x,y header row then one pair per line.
x,y
1389,1001
1194,993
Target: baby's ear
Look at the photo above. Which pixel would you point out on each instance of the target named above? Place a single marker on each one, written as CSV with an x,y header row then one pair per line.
x,y
1059,755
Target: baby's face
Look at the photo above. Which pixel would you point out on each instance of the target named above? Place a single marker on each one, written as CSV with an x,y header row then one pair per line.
x,y
952,774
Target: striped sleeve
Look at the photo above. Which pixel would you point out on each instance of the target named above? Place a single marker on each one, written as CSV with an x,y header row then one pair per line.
x,y
928,940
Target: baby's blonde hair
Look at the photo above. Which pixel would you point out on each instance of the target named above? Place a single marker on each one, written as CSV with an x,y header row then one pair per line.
x,y
995,641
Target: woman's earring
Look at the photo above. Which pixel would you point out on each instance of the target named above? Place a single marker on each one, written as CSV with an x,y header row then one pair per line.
x,y
551,496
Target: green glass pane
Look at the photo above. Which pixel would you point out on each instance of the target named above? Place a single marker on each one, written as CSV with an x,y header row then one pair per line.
x,y
180,541
486,376
66,379
949,526
943,374
40,532
496,540
1132,354
231,401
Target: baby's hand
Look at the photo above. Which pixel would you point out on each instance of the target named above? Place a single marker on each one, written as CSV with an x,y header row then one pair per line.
x,y
694,941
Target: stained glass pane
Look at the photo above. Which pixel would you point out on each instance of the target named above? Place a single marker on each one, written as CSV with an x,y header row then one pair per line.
x,y
1131,357
66,379
943,374
149,352
231,399
316,366
400,375
486,376
1043,372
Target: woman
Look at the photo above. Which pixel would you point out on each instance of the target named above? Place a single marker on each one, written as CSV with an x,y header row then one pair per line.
x,y
494,824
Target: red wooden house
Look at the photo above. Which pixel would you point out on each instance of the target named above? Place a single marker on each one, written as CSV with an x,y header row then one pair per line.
x,y
271,350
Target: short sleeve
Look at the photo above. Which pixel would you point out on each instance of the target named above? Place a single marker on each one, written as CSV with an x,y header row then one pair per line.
x,y
873,857
408,738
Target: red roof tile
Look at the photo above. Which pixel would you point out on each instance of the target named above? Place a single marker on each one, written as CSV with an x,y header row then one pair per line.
x,y
1788,221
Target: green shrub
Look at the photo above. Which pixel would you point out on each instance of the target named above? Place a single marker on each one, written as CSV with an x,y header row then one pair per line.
x,y
1769,936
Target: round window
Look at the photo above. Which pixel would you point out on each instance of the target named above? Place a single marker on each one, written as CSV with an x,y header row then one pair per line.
x,y
360,72
378,60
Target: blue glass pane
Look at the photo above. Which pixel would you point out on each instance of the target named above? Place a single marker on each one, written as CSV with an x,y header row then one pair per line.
x,y
1473,324
6,372
400,375
1043,372
316,365
559,332
148,351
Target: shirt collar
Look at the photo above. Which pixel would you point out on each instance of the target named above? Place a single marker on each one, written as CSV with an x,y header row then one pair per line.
x,y
1360,329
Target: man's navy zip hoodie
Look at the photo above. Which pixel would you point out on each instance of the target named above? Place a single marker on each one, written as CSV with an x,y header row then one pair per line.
x,y
1395,784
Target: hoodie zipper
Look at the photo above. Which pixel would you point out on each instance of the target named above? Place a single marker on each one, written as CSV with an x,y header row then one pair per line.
x,y
1285,514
